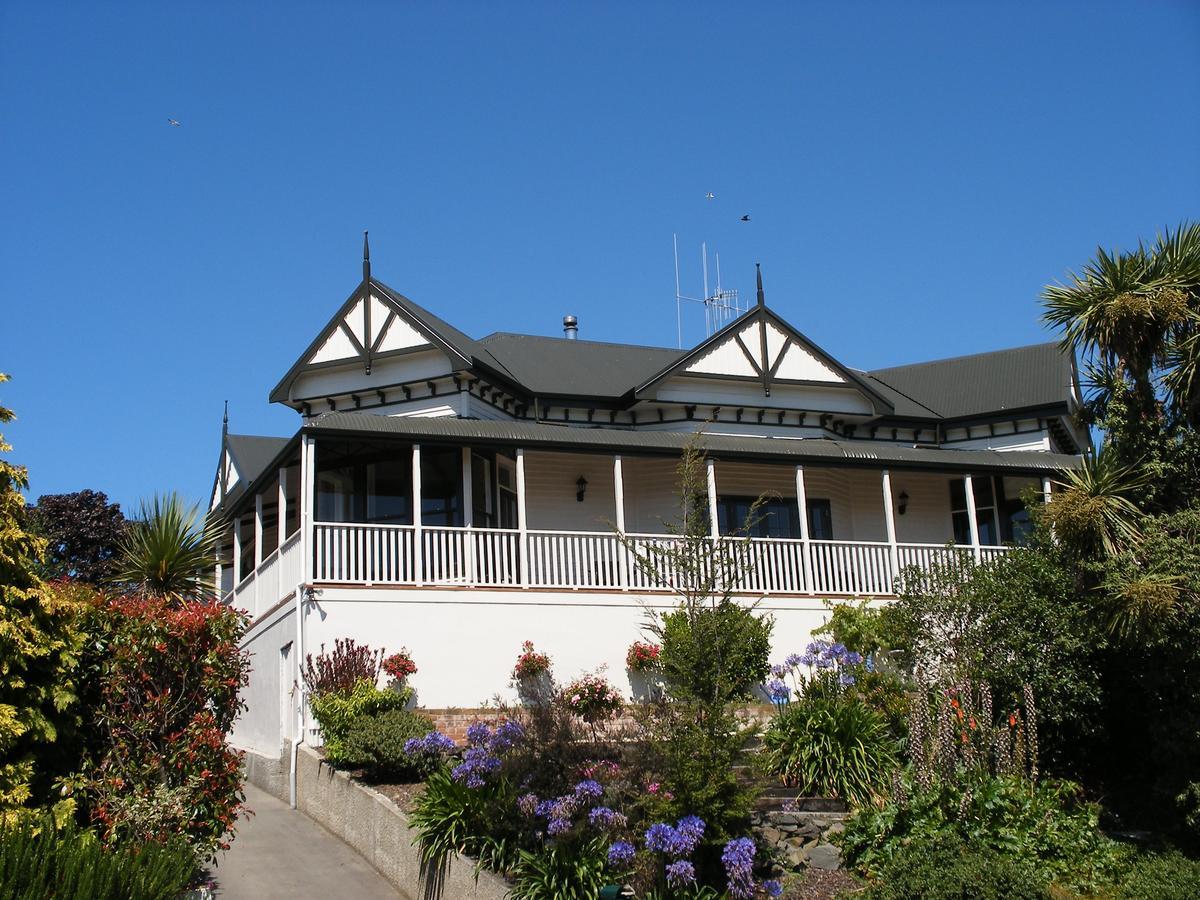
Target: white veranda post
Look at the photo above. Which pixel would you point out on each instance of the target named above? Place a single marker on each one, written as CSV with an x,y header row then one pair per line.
x,y
418,541
889,519
806,549
713,524
468,504
619,521
282,507
237,550
972,521
522,522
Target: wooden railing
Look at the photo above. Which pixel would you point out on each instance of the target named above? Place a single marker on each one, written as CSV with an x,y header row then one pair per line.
x,y
585,560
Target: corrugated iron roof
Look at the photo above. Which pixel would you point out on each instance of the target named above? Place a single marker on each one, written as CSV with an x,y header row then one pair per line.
x,y
828,452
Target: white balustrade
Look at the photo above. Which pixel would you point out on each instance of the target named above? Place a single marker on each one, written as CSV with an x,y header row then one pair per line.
x,y
571,560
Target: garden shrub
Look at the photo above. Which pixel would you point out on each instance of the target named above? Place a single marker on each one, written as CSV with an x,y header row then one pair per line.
x,y
376,743
39,647
39,861
340,670
947,868
715,653
163,694
1048,824
1015,621
1160,876
336,712
831,746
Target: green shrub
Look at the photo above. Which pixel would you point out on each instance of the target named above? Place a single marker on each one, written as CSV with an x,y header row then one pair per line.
x,y
831,746
450,818
1167,876
336,711
376,743
716,653
37,862
949,869
1046,824
561,873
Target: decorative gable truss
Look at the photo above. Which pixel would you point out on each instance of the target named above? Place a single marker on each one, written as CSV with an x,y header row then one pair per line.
x,y
370,327
759,346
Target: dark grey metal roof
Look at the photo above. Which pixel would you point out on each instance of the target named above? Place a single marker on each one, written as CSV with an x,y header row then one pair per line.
x,y
983,383
253,453
562,367
820,451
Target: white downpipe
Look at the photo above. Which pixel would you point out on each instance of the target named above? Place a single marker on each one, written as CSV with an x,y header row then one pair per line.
x,y
300,719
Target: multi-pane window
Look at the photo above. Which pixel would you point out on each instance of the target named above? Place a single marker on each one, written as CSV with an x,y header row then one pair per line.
x,y
985,510
773,518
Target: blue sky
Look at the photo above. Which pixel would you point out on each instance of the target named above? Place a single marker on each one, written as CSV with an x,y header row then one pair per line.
x,y
915,174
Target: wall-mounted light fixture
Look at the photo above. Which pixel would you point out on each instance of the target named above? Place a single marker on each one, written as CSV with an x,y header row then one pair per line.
x,y
580,488
902,502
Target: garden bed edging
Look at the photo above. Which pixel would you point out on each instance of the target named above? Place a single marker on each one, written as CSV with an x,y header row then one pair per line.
x,y
372,824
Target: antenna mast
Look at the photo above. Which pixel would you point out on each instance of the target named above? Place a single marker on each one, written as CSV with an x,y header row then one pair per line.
x,y
720,307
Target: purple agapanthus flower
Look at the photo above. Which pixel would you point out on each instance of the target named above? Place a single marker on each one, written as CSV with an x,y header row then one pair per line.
x,y
681,873
659,837
478,733
603,817
620,853
808,659
528,804
779,670
558,826
845,679
738,860
794,660
778,691
589,790
772,888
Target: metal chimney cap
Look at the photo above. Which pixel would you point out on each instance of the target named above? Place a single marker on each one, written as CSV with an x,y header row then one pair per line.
x,y
570,327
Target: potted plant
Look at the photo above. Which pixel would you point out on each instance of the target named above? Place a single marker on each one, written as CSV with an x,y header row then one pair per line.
x,y
531,676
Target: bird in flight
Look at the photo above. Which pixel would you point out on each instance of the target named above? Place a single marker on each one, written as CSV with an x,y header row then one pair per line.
x,y
174,123
745,218
710,196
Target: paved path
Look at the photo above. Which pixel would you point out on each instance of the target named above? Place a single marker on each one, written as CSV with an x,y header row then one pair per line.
x,y
281,853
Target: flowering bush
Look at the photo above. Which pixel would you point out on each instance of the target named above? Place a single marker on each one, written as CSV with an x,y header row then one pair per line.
x,y
485,747
530,663
399,666
642,657
164,682
593,699
339,671
336,714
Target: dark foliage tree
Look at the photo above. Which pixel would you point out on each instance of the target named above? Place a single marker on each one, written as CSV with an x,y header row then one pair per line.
x,y
83,533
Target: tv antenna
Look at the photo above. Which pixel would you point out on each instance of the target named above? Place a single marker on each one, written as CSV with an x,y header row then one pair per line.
x,y
720,307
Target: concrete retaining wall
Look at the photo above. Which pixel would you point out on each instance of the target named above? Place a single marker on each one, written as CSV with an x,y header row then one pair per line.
x,y
370,823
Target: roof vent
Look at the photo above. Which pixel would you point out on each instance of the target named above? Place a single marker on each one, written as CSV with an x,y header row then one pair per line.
x,y
570,327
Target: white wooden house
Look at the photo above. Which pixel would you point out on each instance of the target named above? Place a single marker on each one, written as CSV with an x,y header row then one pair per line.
x,y
458,496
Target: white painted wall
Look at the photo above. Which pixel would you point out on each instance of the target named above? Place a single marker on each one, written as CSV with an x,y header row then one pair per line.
x,y
466,642
714,391
550,490
340,380
263,726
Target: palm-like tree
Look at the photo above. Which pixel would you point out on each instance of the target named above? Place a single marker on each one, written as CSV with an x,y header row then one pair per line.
x,y
1138,313
1096,509
169,550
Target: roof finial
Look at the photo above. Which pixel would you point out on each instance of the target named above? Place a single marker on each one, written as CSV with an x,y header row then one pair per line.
x,y
758,271
366,258
224,454
225,420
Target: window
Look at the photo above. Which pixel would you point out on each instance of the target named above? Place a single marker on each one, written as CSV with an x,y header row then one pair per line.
x,y
361,482
441,475
985,511
773,518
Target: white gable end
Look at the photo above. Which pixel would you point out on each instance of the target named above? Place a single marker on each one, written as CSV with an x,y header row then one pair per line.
x,y
337,346
800,365
400,336
726,358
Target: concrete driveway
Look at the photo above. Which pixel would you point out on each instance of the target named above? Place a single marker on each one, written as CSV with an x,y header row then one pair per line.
x,y
279,852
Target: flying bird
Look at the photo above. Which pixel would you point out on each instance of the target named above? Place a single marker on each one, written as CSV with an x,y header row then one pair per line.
x,y
745,218
710,196
174,123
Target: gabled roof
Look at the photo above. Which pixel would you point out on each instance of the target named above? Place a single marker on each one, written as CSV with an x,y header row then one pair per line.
x,y
984,383
551,366
253,453
368,337
774,353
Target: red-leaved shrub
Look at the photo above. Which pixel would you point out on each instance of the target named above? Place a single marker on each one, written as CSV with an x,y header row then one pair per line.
x,y
164,694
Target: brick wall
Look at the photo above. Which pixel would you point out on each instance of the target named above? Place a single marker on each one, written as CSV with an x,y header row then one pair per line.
x,y
454,722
